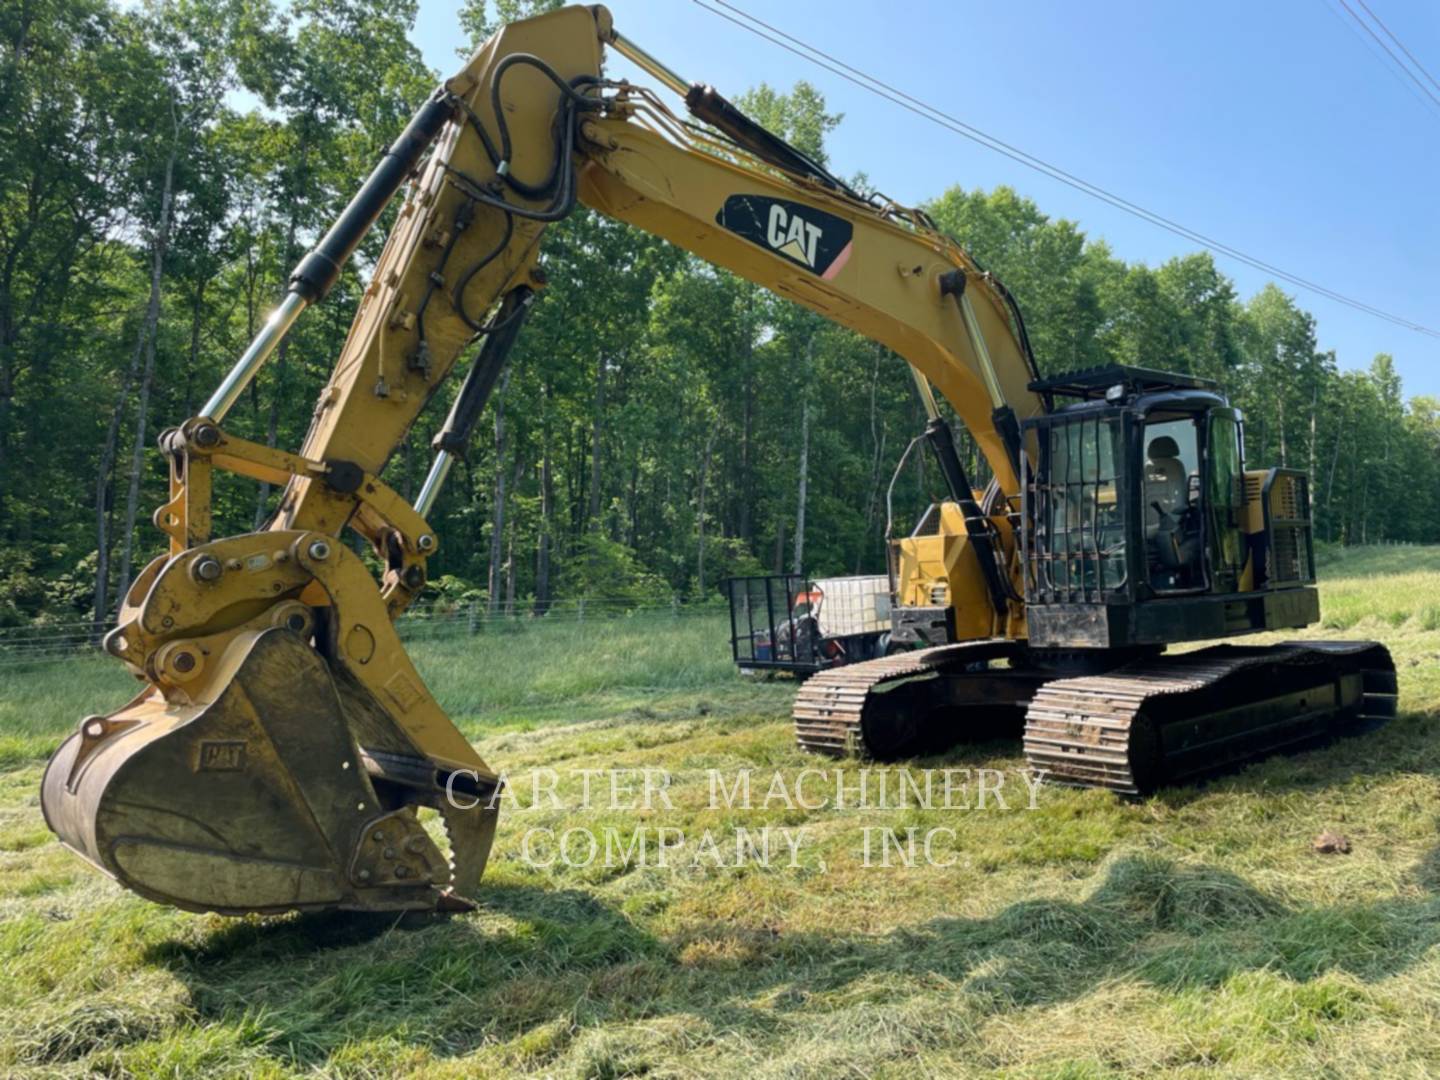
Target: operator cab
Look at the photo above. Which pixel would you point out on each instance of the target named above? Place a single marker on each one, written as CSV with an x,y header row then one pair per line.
x,y
1142,526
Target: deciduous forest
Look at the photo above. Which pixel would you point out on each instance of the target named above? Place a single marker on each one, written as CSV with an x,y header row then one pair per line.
x,y
163,165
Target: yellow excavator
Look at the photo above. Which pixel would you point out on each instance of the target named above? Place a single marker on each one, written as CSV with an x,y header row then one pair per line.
x,y
282,743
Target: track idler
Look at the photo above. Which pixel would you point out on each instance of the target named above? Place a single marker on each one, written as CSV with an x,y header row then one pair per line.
x,y
262,800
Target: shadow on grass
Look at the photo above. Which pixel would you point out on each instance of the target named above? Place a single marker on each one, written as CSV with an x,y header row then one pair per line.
x,y
286,938
323,981
559,960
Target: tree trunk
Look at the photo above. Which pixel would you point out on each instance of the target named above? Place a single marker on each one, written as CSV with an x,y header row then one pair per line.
x,y
494,580
510,574
1280,427
798,565
547,510
407,466
1383,475
920,459
197,308
745,529
9,339
510,569
1364,498
282,351
148,331
747,433
1330,482
877,444
108,450
632,505
1310,481
700,512
574,474
597,439
272,429
7,391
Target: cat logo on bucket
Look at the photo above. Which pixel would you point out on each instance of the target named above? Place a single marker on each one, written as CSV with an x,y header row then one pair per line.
x,y
221,755
801,234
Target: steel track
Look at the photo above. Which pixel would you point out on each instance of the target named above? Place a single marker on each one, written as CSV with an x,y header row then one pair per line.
x,y
1131,729
831,707
1157,721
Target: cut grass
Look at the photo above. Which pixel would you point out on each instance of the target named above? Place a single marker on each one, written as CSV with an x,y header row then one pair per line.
x,y
1090,937
1410,597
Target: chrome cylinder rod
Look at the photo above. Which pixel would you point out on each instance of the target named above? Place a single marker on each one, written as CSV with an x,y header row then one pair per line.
x,y
642,59
927,395
270,335
982,352
434,481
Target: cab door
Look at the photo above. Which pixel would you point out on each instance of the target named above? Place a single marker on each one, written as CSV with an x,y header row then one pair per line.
x,y
1224,487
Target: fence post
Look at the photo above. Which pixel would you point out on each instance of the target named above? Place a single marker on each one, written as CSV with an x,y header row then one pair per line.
x,y
675,606
474,613
582,610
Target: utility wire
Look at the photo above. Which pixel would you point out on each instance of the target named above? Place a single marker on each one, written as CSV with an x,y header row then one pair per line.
x,y
879,88
1418,66
1368,44
1391,52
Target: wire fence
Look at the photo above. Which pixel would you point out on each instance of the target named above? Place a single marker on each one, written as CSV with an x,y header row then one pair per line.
x,y
46,642
55,642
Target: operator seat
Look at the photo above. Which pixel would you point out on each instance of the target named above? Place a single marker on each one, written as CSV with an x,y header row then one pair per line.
x,y
1166,482
1171,530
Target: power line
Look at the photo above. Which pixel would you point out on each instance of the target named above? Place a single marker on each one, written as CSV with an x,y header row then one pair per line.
x,y
1389,51
884,90
929,112
1418,66
1368,44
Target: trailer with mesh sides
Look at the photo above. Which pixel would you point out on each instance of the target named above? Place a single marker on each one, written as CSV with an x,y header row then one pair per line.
x,y
788,622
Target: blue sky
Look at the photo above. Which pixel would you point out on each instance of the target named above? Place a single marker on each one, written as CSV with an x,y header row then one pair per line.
x,y
1272,126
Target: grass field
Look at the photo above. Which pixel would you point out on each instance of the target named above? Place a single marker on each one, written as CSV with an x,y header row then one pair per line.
x,y
1089,937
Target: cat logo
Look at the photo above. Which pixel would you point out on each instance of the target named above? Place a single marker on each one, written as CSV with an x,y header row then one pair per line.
x,y
803,235
221,755
793,235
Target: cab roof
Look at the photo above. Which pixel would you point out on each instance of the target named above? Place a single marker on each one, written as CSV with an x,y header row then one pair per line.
x,y
1094,384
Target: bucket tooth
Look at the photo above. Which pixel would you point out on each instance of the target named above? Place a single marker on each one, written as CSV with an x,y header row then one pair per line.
x,y
471,834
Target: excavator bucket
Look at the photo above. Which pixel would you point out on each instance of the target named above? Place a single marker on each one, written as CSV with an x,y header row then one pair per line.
x,y
262,800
